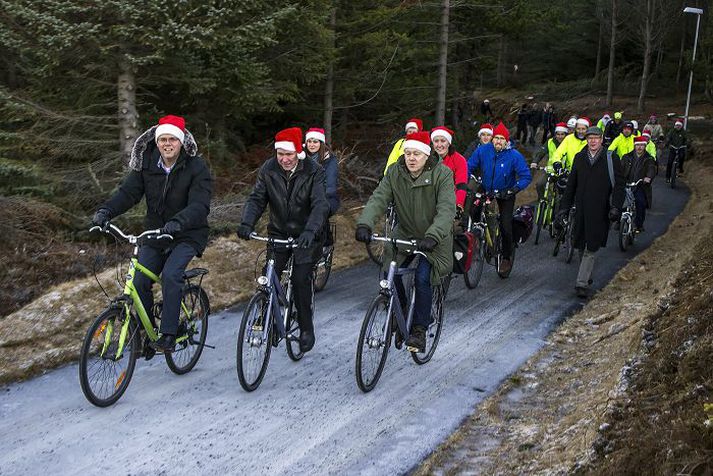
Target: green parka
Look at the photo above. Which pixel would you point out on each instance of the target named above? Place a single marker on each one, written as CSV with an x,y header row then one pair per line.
x,y
425,207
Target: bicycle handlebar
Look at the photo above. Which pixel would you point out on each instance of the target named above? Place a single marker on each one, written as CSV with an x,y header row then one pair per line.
x,y
153,234
395,241
634,184
290,243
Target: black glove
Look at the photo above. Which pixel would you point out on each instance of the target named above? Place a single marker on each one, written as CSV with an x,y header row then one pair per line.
x,y
305,239
171,228
557,166
363,234
101,217
614,214
459,213
427,244
244,231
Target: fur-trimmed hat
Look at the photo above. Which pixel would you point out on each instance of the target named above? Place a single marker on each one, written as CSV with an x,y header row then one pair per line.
x,y
442,131
171,125
561,127
420,141
290,139
414,122
485,129
149,138
315,133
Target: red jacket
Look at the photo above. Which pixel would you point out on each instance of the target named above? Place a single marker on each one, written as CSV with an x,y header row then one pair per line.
x,y
459,166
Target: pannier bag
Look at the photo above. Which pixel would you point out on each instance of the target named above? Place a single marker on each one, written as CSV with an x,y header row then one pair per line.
x,y
522,221
462,252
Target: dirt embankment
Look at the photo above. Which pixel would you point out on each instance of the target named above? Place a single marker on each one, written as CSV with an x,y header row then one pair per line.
x,y
622,386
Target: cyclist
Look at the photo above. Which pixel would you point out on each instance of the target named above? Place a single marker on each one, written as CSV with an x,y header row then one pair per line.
x,y
442,139
654,128
676,137
639,164
613,128
589,187
624,142
572,144
421,189
552,145
503,170
413,125
295,190
650,146
602,124
321,153
571,124
166,168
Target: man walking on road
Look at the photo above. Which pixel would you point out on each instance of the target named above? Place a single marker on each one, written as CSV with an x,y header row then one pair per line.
x,y
596,175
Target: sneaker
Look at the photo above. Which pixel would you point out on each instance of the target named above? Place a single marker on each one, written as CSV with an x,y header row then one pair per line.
x,y
582,292
306,341
416,342
505,267
165,344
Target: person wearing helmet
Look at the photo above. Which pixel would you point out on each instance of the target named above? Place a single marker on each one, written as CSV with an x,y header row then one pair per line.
x,y
552,145
613,128
572,144
676,137
602,124
635,125
571,124
624,142
412,126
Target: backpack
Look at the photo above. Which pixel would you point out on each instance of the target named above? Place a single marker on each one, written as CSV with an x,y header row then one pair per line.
x,y
462,252
522,221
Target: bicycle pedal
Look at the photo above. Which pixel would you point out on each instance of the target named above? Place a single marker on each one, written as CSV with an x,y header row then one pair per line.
x,y
257,328
414,350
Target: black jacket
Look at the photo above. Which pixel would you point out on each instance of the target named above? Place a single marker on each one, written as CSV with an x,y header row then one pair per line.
x,y
589,188
183,195
297,203
612,130
331,173
636,168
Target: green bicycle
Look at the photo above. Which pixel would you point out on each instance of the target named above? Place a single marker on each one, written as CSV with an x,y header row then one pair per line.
x,y
549,204
116,338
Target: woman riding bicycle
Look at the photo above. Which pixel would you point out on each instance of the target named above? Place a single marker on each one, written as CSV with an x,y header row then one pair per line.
x,y
321,153
504,173
442,139
421,188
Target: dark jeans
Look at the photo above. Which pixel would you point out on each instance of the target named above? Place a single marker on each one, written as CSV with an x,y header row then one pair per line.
x,y
506,208
641,204
170,265
301,287
681,157
424,293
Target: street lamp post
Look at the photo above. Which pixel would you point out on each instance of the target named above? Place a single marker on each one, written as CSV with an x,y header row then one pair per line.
x,y
698,12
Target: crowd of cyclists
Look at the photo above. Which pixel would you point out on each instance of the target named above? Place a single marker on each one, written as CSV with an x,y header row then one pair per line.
x,y
429,184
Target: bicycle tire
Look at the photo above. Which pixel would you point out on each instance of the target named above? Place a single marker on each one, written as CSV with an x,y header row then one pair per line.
x,y
258,304
541,211
433,333
181,361
375,250
473,275
293,345
322,270
624,224
96,339
380,303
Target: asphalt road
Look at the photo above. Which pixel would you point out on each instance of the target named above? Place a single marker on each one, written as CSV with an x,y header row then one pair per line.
x,y
308,417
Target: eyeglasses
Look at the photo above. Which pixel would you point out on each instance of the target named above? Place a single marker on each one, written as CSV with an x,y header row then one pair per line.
x,y
167,140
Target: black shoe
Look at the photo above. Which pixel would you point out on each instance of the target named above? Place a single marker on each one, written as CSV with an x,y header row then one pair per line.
x,y
582,292
166,343
149,352
306,341
416,342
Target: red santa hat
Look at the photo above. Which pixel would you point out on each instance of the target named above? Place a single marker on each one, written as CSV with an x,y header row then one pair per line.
x,y
171,125
647,135
642,139
501,130
485,129
420,141
291,140
315,133
561,127
442,131
584,121
414,122
678,123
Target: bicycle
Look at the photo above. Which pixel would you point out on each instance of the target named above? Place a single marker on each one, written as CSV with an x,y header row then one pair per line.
x,y
376,250
627,233
673,166
548,205
269,318
565,236
385,318
323,267
487,232
124,330
474,269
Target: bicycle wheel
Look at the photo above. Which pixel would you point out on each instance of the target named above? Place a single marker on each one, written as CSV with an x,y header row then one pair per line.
x,y
569,240
559,238
192,331
433,333
253,352
474,273
541,212
293,345
673,173
322,270
375,250
624,230
372,349
103,375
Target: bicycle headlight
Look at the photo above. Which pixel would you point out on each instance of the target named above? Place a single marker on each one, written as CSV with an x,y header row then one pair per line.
x,y
262,280
384,284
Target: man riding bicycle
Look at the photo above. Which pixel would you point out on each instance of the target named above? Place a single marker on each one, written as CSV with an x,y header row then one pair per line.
x,y
421,189
552,165
572,144
296,192
166,168
624,142
503,170
412,126
640,165
676,141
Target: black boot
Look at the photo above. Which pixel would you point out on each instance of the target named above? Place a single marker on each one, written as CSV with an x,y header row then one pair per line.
x,y
306,341
166,343
416,342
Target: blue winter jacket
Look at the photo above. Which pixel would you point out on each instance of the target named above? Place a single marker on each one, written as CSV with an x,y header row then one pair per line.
x,y
500,170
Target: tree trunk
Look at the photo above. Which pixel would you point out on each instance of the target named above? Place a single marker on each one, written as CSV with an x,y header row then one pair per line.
x,y
598,65
442,66
612,53
648,33
329,85
128,117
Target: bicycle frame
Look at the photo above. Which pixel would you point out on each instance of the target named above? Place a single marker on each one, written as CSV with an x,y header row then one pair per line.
x,y
388,288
